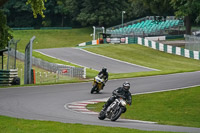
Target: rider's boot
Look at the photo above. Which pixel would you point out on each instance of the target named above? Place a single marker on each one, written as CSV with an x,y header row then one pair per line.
x,y
103,86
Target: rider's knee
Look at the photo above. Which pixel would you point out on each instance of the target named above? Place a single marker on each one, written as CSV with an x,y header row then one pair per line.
x,y
123,109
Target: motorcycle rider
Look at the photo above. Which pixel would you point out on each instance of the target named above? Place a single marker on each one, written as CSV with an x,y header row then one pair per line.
x,y
103,74
121,91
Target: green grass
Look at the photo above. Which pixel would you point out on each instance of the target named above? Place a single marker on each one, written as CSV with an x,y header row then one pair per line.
x,y
14,125
52,38
180,107
144,56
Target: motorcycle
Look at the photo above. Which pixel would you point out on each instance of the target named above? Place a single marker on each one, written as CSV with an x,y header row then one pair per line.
x,y
97,84
114,111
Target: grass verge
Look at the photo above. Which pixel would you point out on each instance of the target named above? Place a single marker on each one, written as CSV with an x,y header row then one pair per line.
x,y
15,125
180,107
144,56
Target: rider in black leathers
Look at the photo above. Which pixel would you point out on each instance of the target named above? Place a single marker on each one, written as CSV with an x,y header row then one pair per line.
x,y
121,91
104,74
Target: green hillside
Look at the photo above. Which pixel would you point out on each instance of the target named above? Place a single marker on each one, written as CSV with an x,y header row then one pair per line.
x,y
52,38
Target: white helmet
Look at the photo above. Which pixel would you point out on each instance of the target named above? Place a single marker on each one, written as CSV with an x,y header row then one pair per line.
x,y
126,86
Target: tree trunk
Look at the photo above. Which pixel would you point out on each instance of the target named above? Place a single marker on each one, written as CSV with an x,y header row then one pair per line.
x,y
188,25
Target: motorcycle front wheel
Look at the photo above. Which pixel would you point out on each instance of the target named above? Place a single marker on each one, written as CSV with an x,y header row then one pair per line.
x,y
116,115
93,89
102,115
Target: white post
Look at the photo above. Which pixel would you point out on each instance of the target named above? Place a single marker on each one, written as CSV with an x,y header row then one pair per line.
x,y
21,73
84,72
123,21
40,77
94,33
103,29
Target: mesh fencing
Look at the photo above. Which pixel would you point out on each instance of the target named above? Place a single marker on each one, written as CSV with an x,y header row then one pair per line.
x,y
192,43
11,61
59,69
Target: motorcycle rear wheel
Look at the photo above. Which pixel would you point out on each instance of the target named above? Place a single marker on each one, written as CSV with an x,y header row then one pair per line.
x,y
116,115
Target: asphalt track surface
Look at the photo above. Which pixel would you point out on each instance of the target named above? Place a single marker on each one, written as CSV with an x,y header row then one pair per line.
x,y
90,60
47,102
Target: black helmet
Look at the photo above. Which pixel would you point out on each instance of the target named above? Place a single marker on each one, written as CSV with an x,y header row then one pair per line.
x,y
126,86
104,69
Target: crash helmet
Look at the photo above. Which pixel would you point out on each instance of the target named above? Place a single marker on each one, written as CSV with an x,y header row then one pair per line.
x,y
104,69
126,86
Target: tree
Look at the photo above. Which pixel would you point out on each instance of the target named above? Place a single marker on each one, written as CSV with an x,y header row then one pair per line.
x,y
159,7
74,7
101,12
5,36
37,7
2,2
152,7
60,9
137,8
19,14
187,9
180,8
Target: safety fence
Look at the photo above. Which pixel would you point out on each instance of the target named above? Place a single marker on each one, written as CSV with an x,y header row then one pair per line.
x,y
43,76
192,43
60,69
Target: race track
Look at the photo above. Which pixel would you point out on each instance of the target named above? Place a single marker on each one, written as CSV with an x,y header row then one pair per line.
x,y
47,102
90,60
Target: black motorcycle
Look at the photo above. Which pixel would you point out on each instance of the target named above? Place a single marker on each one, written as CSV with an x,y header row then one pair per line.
x,y
114,111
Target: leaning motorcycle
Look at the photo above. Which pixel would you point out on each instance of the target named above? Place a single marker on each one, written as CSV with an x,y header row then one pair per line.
x,y
97,84
114,111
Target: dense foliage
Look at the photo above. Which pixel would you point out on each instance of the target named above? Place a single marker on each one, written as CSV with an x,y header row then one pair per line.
x,y
78,13
4,31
